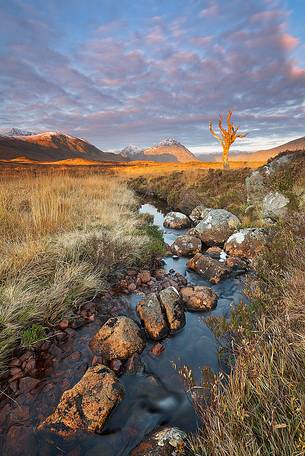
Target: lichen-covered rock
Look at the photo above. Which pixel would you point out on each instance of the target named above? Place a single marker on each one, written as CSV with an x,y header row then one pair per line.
x,y
176,220
173,308
246,243
166,442
199,213
209,268
199,298
150,313
186,245
118,338
87,405
275,205
217,226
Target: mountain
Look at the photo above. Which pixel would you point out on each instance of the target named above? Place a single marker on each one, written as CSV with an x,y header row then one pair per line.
x,y
51,146
264,155
257,156
168,150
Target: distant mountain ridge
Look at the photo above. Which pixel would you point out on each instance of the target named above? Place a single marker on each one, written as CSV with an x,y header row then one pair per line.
x,y
167,150
51,146
260,155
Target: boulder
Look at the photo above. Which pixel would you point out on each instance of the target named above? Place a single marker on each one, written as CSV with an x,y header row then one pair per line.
x,y
150,313
186,245
209,268
87,405
118,338
246,243
217,226
275,205
166,442
173,308
199,298
199,213
176,220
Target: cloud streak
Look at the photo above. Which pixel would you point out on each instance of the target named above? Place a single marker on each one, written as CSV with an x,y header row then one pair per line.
x,y
123,80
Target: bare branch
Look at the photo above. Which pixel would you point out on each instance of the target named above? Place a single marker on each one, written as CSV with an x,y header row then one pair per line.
x,y
213,132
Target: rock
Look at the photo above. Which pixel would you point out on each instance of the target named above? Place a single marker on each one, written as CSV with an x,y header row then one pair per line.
x,y
246,243
199,298
186,245
27,384
118,338
169,441
116,365
157,349
173,308
209,268
18,440
199,213
132,287
63,324
237,263
144,276
214,251
176,220
87,405
150,313
275,205
134,365
217,226
160,274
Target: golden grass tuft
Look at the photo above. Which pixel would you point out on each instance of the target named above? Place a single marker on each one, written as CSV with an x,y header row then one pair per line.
x,y
61,238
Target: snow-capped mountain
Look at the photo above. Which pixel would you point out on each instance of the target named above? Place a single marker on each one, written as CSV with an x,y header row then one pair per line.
x,y
168,150
51,146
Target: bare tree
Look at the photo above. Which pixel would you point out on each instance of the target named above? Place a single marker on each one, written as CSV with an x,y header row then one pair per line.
x,y
226,137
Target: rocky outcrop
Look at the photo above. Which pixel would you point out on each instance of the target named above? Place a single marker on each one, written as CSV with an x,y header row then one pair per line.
x,y
173,308
87,405
118,338
199,298
199,213
217,226
186,245
166,442
176,220
209,268
151,314
275,205
246,243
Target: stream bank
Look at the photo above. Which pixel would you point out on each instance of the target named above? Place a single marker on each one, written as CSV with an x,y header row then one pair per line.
x,y
155,394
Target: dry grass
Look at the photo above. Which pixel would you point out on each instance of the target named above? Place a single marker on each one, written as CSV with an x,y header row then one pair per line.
x,y
259,409
61,238
183,190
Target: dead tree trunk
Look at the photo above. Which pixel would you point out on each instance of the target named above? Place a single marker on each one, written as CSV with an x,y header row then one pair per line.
x,y
226,137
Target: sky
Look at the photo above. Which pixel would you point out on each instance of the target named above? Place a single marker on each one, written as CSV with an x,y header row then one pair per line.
x,y
119,72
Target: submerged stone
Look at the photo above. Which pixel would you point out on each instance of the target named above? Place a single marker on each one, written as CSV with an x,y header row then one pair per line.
x,y
199,298
170,441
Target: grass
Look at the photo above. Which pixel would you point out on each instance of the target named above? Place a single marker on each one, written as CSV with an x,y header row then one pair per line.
x,y
259,408
62,240
183,190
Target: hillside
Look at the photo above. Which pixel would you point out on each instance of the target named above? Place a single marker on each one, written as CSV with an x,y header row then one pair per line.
x,y
260,155
51,146
168,150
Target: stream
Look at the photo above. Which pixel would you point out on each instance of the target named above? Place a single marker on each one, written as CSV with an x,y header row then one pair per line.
x,y
157,396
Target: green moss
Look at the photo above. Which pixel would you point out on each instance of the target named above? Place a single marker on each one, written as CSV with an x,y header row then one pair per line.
x,y
32,335
155,245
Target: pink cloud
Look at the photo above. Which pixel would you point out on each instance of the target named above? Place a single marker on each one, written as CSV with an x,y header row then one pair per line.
x,y
288,41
